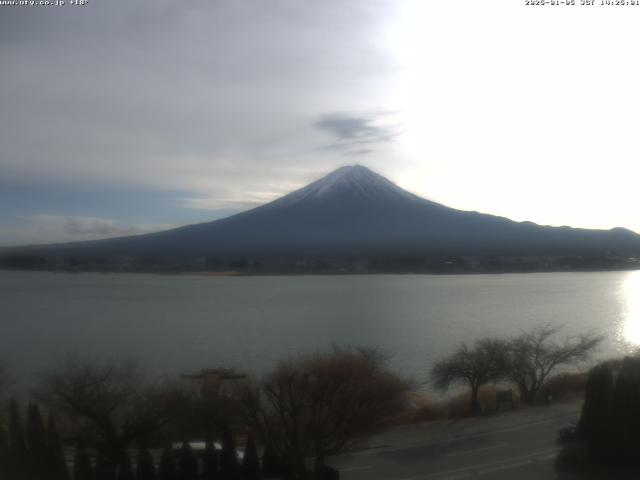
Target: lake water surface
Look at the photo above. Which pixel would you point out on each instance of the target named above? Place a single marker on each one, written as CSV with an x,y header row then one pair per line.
x,y
175,323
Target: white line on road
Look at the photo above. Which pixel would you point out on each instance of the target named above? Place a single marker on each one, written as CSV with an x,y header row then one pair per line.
x,y
474,450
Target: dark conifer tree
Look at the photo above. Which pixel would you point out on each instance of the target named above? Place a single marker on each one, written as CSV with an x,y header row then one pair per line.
x,y
271,463
36,441
145,470
168,470
229,465
56,461
634,421
104,468
125,471
251,462
594,425
268,462
620,418
4,455
17,443
82,468
210,464
187,463
624,413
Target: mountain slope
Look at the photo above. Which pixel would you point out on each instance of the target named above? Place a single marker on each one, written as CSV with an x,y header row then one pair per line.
x,y
355,211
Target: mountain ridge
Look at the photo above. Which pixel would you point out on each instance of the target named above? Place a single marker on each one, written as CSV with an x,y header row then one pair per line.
x,y
353,211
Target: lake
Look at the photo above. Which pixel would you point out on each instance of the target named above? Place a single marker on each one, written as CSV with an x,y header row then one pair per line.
x,y
176,323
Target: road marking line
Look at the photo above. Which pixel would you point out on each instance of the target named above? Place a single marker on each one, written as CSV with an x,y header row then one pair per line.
x,y
521,460
474,450
353,469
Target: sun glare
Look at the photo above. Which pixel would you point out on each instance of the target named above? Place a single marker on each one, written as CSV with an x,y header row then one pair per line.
x,y
631,327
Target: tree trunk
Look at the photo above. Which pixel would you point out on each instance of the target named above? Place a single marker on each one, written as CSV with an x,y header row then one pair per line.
x,y
531,396
527,394
475,405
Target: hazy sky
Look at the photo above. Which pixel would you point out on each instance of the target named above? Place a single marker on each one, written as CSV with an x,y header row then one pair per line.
x,y
127,116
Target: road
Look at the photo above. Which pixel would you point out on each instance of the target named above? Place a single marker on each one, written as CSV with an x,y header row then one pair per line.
x,y
520,444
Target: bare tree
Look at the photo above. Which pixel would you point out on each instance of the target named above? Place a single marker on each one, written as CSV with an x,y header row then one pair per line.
x,y
484,362
318,405
108,404
536,354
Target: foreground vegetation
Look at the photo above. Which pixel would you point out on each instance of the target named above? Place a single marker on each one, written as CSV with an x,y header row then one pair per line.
x,y
525,361
309,407
114,423
607,436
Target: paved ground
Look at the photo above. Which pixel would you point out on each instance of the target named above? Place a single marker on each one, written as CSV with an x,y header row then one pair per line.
x,y
519,444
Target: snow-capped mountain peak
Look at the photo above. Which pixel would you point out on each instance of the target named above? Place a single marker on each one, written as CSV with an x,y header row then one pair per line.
x,y
353,179
352,211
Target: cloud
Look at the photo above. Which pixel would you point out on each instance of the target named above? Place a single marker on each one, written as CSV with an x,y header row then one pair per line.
x,y
69,225
243,201
162,95
190,104
62,228
353,132
227,205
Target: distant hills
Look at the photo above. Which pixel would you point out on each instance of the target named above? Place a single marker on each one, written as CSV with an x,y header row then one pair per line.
x,y
352,212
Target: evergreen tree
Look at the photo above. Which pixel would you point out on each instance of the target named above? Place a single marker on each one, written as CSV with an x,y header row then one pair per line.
x,y
620,418
57,464
634,410
270,463
104,468
229,466
17,443
251,462
125,471
82,469
624,413
210,466
145,469
273,466
594,425
38,464
168,470
5,456
187,463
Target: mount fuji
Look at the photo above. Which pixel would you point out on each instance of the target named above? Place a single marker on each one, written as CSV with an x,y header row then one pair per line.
x,y
354,211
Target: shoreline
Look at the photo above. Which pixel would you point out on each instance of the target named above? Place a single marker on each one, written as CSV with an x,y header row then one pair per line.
x,y
237,273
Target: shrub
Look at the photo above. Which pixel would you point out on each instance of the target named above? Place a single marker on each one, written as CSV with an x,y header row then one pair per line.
x,y
317,405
